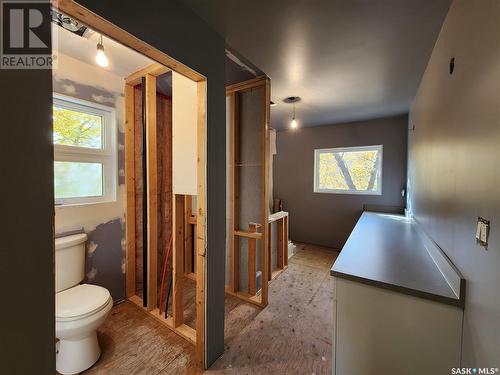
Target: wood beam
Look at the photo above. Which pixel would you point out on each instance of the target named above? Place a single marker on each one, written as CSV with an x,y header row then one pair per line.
x,y
265,191
235,243
252,261
154,69
201,220
130,191
152,179
178,260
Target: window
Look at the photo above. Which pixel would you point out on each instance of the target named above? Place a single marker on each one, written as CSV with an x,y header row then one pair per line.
x,y
351,170
84,152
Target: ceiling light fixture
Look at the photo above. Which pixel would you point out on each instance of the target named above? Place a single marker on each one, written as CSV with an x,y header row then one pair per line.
x,y
101,58
292,100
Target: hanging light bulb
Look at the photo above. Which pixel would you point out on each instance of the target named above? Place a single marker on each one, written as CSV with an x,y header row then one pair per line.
x,y
293,123
100,57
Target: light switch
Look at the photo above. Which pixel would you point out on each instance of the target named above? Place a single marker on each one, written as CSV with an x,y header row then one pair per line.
x,y
482,231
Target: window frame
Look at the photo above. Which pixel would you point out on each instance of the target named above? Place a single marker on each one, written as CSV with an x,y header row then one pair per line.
x,y
106,155
319,151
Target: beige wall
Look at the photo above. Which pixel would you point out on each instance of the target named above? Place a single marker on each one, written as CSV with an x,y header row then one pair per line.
x,y
454,163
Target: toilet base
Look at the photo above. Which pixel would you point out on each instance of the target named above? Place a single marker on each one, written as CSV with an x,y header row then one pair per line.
x,y
76,355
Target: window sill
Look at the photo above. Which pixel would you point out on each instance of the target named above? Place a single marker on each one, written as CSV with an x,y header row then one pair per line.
x,y
76,205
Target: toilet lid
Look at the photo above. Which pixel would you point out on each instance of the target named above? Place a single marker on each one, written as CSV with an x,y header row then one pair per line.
x,y
80,300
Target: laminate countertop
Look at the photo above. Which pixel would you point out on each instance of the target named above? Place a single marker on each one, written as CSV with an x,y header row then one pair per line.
x,y
387,251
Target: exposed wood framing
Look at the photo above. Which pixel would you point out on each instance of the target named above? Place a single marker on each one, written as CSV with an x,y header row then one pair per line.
x,y
281,220
201,220
188,236
154,70
235,241
252,235
130,189
152,176
252,261
165,63
265,189
178,260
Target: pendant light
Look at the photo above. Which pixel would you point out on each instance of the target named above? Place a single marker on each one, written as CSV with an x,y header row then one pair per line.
x,y
100,57
292,100
293,123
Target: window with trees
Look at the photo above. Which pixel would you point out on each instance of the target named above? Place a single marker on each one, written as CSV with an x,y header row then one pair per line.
x,y
84,137
350,170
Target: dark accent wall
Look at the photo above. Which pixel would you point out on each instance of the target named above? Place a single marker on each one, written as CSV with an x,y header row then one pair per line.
x,y
27,172
454,164
327,219
27,209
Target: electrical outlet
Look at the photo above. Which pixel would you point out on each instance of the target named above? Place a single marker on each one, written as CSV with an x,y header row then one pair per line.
x,y
482,231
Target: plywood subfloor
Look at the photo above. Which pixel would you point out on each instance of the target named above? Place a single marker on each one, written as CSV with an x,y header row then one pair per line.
x,y
292,335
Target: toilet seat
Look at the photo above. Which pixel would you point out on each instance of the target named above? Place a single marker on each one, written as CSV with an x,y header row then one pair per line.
x,y
80,301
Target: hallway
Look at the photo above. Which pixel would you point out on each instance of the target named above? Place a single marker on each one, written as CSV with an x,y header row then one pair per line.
x,y
291,335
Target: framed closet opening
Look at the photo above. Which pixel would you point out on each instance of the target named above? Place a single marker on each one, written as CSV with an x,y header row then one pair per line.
x,y
165,178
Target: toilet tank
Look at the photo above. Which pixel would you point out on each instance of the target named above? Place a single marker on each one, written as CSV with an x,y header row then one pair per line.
x,y
70,260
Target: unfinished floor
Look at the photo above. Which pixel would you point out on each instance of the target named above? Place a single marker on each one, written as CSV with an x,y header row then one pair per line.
x,y
292,335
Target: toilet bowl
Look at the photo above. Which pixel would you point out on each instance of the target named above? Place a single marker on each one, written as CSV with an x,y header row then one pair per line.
x,y
80,308
79,312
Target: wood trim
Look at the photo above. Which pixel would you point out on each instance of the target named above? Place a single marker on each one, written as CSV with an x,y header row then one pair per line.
x,y
152,186
155,70
248,234
265,191
285,248
246,85
178,260
188,236
103,26
235,242
280,232
130,191
252,261
201,220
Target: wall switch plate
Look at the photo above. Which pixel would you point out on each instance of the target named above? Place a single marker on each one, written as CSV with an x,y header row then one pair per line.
x,y
482,231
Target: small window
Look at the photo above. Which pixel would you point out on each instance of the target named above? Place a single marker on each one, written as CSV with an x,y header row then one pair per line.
x,y
84,151
350,170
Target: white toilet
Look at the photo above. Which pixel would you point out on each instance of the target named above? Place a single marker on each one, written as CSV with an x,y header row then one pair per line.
x,y
80,308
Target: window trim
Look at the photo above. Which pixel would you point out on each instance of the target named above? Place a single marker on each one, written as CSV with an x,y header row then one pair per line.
x,y
106,155
319,151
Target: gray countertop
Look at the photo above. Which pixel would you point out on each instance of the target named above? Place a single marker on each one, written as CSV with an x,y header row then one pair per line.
x,y
385,250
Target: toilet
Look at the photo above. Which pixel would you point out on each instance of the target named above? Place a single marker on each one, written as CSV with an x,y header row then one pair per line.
x,y
80,308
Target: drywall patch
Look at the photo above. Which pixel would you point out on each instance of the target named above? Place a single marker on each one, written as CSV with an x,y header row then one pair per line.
x,y
104,262
85,92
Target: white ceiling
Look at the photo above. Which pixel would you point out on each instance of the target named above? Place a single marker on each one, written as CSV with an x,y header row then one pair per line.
x,y
123,61
348,59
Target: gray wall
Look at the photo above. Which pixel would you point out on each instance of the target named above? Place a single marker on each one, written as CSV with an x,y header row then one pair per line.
x,y
27,345
327,219
454,164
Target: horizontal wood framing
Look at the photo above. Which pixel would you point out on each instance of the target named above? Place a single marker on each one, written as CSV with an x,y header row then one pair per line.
x,y
153,69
